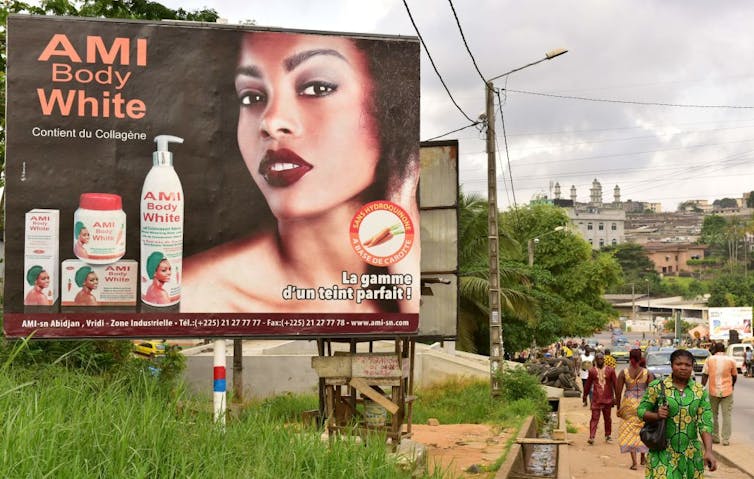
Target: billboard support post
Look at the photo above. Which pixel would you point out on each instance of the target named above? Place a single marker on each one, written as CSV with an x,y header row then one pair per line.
x,y
219,383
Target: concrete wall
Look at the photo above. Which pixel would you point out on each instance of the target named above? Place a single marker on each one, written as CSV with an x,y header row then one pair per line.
x,y
277,367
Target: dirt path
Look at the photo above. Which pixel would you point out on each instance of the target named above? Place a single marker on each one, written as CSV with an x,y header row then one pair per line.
x,y
457,447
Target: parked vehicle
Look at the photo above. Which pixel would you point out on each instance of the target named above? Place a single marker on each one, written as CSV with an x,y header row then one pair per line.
x,y
736,351
620,353
149,348
700,357
658,363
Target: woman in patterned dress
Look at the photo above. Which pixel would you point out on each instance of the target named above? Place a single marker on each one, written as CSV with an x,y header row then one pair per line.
x,y
688,415
635,378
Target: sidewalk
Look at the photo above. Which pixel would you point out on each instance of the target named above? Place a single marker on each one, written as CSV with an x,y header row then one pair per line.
x,y
604,460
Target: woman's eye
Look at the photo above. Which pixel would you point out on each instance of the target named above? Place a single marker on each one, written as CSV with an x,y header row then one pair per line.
x,y
251,98
318,89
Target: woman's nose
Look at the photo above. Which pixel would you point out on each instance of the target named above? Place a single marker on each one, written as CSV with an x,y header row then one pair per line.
x,y
280,117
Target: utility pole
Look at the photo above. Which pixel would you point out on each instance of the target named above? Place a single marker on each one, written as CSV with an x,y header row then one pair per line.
x,y
493,241
493,238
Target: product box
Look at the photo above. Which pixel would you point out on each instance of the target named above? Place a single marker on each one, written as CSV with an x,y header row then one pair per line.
x,y
84,284
41,257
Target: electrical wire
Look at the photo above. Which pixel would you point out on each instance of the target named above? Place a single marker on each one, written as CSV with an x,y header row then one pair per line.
x,y
454,131
631,102
426,50
463,38
505,142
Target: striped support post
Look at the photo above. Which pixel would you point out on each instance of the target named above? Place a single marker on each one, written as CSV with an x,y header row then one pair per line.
x,y
219,384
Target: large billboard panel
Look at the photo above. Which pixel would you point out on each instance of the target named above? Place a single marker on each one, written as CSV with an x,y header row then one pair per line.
x,y
439,228
168,180
723,320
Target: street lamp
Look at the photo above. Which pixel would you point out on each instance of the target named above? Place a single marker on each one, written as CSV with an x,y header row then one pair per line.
x,y
534,241
496,330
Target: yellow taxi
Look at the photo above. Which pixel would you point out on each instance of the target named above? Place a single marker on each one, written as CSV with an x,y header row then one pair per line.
x,y
700,357
149,348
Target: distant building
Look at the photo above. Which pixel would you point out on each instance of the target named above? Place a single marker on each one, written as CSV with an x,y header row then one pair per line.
x,y
672,258
601,224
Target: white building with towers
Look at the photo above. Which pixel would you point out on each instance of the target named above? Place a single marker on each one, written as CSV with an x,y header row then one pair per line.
x,y
601,224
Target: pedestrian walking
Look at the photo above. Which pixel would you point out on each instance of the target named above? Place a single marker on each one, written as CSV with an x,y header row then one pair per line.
x,y
720,372
609,359
602,383
749,362
635,379
587,360
684,405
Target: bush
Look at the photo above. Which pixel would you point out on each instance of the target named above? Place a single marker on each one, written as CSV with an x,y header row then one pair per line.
x,y
523,393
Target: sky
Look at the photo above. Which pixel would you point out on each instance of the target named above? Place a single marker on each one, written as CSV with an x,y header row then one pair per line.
x,y
656,97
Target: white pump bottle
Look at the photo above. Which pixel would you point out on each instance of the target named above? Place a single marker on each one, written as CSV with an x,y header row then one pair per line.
x,y
161,229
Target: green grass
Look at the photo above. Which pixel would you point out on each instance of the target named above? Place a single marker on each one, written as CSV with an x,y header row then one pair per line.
x,y
60,423
570,428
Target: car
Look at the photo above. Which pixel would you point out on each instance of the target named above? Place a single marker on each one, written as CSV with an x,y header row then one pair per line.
x,y
736,351
650,349
658,363
667,349
620,341
620,354
700,357
149,348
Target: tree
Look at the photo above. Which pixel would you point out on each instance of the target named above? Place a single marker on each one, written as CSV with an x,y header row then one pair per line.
x,y
750,200
725,203
568,279
713,235
636,267
473,327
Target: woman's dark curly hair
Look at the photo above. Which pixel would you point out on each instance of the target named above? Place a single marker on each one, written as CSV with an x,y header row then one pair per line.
x,y
394,68
681,353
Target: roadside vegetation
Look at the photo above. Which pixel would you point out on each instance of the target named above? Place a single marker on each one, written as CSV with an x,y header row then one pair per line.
x,y
127,421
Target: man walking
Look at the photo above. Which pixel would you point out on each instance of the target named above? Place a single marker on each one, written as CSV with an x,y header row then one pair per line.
x,y
720,371
586,364
602,382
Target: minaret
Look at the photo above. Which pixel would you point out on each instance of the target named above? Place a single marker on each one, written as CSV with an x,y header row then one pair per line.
x,y
573,194
595,193
616,195
557,190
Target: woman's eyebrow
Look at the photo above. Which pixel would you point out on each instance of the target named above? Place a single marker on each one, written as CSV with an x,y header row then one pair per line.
x,y
249,71
295,60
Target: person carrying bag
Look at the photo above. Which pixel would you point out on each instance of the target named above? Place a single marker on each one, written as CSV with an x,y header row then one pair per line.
x,y
679,406
652,434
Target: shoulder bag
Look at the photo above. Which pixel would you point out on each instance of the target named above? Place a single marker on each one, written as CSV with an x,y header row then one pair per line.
x,y
652,434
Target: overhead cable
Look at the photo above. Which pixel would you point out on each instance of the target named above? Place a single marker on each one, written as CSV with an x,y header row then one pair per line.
x,y
426,50
631,102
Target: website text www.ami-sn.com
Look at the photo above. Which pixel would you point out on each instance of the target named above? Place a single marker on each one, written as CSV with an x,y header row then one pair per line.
x,y
380,322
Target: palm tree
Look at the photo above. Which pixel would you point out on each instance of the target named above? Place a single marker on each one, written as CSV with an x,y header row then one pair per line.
x,y
473,327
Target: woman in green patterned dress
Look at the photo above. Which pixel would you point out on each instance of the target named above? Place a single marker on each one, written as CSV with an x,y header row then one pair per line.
x,y
688,413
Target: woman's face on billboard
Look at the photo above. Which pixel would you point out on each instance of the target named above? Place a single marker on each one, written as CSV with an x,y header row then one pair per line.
x,y
304,129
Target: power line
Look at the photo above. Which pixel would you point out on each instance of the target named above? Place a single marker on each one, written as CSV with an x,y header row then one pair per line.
x,y
631,102
453,131
463,38
505,142
426,50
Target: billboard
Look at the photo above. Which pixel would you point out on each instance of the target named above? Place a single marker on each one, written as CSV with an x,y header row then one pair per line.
x,y
723,320
194,180
439,227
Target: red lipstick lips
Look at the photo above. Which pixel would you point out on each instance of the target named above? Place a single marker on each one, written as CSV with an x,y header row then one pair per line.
x,y
283,167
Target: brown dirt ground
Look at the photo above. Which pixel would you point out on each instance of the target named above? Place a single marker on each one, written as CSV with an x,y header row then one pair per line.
x,y
456,447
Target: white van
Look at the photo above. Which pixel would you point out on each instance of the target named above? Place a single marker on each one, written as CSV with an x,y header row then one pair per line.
x,y
736,351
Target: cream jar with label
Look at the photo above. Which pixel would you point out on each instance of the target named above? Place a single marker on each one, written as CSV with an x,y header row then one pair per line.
x,y
99,228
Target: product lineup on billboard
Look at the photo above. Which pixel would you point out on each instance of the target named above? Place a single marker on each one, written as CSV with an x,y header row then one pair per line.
x,y
179,180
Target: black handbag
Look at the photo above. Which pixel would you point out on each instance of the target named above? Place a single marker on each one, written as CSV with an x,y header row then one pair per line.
x,y
652,434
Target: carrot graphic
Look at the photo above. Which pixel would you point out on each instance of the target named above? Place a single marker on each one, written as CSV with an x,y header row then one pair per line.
x,y
384,235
